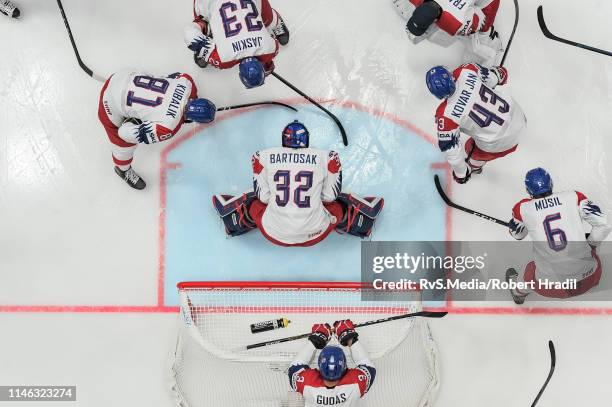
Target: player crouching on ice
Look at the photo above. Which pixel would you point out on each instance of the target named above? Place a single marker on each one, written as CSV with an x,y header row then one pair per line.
x,y
247,33
136,107
297,199
332,384
446,22
561,249
492,119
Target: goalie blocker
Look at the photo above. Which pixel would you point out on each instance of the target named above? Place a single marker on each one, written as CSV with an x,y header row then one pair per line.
x,y
241,214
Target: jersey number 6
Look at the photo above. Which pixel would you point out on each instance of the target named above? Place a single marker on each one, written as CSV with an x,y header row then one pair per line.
x,y
283,187
557,240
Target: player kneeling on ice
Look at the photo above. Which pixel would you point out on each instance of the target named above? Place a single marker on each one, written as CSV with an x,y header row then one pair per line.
x,y
562,252
332,384
491,118
247,33
297,199
136,107
444,22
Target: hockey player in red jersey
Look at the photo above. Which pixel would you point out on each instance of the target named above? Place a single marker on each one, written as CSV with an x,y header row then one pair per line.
x,y
226,33
136,107
297,198
445,22
562,252
470,105
333,383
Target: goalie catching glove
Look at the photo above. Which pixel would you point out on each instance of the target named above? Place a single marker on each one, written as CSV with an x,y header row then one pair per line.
x,y
320,336
345,332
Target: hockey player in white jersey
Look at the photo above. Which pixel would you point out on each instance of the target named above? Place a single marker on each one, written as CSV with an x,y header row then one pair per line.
x,y
332,384
492,119
225,33
297,198
9,9
136,107
562,252
446,22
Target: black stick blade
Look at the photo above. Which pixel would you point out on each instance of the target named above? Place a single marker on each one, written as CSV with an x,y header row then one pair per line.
x,y
221,109
553,362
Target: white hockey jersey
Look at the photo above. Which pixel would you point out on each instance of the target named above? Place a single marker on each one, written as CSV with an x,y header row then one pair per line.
x,y
561,250
348,391
238,27
155,105
294,183
492,118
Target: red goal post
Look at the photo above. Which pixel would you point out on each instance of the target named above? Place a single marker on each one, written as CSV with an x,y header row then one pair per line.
x,y
215,330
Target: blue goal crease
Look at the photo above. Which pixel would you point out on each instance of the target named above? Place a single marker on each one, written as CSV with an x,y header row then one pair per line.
x,y
382,159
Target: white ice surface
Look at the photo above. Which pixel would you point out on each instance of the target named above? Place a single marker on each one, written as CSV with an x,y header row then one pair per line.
x,y
72,234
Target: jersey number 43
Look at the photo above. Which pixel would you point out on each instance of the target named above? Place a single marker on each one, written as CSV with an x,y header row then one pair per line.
x,y
488,111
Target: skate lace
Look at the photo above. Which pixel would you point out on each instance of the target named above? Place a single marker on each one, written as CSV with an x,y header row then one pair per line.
x,y
279,29
131,176
6,6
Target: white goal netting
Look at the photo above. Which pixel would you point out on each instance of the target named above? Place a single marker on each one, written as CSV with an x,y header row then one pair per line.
x,y
213,368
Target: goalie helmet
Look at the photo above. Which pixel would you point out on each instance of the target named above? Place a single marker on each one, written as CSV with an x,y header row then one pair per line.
x,y
440,82
295,135
538,182
332,363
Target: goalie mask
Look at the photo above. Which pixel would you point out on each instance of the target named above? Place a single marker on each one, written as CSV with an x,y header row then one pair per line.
x,y
295,135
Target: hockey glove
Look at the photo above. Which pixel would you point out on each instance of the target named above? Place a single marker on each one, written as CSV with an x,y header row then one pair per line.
x,y
345,332
501,73
321,334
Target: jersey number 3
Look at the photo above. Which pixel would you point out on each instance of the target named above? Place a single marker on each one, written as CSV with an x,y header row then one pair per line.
x,y
283,188
231,25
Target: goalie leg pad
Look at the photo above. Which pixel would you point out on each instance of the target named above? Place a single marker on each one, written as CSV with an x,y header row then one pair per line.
x,y
360,214
234,212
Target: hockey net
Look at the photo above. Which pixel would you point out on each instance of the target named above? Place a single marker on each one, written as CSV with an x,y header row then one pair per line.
x,y
212,367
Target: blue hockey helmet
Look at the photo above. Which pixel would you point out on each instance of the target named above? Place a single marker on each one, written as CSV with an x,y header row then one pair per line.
x,y
332,363
200,110
295,135
252,73
538,182
440,82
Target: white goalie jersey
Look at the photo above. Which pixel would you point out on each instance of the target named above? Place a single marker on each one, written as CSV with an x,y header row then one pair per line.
x,y
294,183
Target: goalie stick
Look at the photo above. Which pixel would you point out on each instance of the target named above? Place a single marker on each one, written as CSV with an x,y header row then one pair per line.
x,y
314,102
553,361
424,314
516,21
84,67
551,36
450,203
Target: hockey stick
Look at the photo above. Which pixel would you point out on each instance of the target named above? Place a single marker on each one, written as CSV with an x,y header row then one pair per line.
x,y
551,36
221,109
74,47
553,361
516,20
311,100
425,314
450,203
